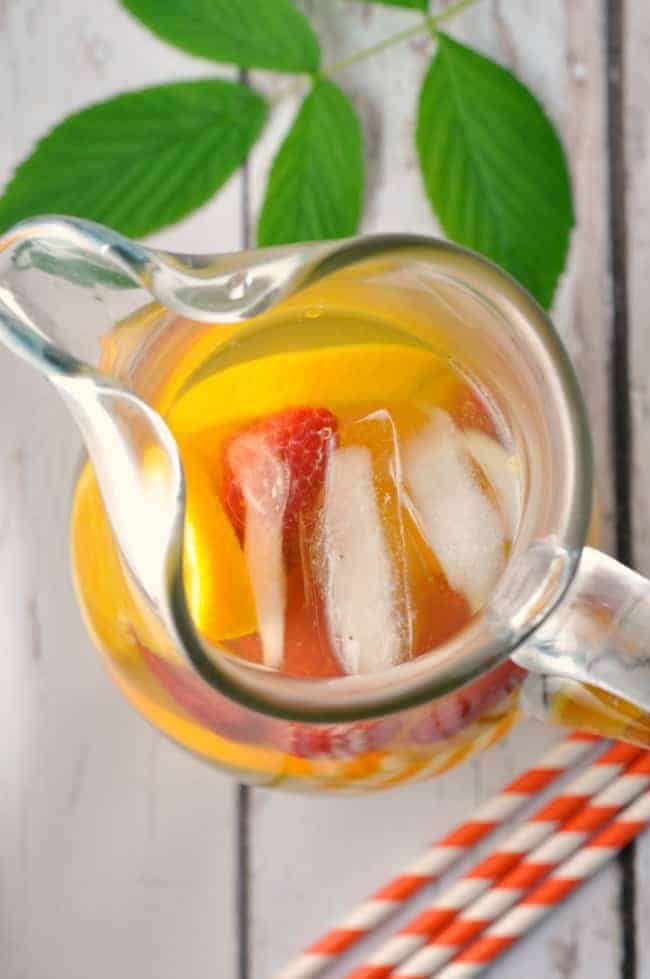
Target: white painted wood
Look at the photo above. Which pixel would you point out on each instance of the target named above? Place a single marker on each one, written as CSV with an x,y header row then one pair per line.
x,y
583,312
313,858
637,113
116,849
636,83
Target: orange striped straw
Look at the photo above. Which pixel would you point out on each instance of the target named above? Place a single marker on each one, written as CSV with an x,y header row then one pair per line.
x,y
537,904
543,860
441,857
540,826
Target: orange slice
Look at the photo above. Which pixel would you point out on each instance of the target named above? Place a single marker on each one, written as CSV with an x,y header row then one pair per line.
x,y
217,582
216,579
328,377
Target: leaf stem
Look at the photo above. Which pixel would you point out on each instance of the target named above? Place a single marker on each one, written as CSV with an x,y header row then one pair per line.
x,y
452,11
429,23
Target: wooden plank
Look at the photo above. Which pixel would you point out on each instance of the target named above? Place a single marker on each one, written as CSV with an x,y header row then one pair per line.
x,y
583,309
635,86
117,850
636,79
314,858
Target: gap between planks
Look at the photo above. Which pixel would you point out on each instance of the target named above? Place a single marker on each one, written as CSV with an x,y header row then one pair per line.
x,y
615,12
243,801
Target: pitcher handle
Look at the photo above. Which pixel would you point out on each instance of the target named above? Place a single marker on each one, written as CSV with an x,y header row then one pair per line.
x,y
600,633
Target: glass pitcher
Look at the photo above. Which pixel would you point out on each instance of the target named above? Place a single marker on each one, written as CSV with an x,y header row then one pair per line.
x,y
564,630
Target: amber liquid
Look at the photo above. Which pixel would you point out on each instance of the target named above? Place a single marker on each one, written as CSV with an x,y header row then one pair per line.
x,y
380,389
210,383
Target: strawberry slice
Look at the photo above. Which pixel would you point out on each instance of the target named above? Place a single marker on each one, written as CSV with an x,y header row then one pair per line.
x,y
298,439
274,470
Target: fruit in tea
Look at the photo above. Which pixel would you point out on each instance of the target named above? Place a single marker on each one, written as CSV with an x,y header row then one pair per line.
x,y
297,440
274,470
217,580
371,534
304,547
368,487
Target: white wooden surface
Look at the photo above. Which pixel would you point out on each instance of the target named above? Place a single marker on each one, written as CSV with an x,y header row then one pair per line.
x,y
118,853
636,82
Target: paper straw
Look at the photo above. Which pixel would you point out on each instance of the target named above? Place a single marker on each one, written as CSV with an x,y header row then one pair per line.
x,y
536,905
438,916
440,857
541,861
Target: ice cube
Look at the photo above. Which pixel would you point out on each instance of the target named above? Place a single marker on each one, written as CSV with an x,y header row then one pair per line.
x,y
461,525
500,469
264,481
359,580
377,432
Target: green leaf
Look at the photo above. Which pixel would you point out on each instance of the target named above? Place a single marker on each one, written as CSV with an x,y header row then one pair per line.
x,y
139,161
412,4
250,33
315,187
494,168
